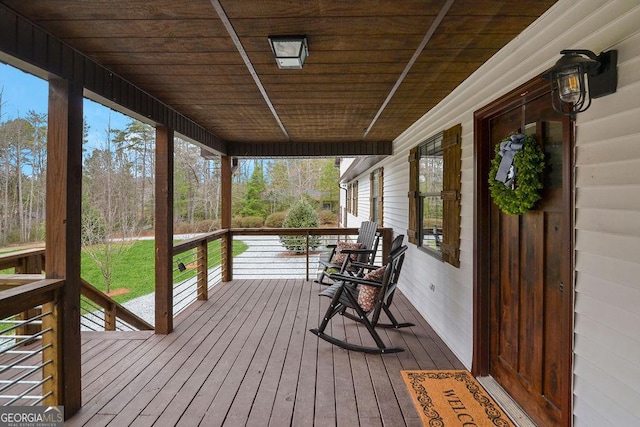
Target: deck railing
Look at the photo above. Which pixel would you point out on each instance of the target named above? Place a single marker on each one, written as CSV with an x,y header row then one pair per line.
x,y
101,313
29,348
202,262
26,261
197,268
284,252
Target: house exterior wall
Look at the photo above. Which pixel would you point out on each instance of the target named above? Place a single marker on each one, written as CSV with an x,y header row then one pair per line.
x,y
607,205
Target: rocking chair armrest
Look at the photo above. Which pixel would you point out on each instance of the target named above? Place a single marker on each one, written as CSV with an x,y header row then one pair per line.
x,y
357,251
329,264
364,265
351,279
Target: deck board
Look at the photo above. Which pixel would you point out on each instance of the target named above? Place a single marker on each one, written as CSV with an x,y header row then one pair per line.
x,y
245,357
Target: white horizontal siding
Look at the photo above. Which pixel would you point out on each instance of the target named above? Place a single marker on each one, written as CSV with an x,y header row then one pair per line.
x,y
607,328
607,217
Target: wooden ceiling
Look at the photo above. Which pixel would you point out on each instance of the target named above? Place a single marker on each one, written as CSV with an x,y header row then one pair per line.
x,y
181,53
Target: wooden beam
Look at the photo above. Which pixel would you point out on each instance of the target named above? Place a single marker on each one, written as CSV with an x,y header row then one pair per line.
x,y
64,198
312,149
164,230
225,219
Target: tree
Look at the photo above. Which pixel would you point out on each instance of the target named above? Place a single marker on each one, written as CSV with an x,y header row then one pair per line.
x,y
196,184
327,183
280,194
109,214
37,162
135,142
301,215
15,137
252,203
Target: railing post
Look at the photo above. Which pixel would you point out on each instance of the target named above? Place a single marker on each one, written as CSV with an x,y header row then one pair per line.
x,y
110,317
227,256
52,344
307,252
31,264
203,268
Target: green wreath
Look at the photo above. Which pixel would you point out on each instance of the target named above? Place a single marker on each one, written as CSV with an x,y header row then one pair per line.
x,y
522,190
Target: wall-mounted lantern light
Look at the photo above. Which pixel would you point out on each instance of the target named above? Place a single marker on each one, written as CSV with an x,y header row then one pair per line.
x,y
579,76
290,51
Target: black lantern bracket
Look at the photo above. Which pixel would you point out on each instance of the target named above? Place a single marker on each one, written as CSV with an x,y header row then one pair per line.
x,y
603,78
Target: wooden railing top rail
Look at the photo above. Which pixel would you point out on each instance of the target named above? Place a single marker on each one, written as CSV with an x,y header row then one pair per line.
x,y
185,245
9,281
30,295
294,231
105,301
13,259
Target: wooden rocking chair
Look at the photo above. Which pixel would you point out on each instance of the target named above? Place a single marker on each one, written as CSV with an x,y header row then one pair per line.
x,y
363,251
367,297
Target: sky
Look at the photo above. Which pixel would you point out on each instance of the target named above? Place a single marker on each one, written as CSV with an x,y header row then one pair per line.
x,y
22,92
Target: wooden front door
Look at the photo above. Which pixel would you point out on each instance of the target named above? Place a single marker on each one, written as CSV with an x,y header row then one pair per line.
x,y
527,276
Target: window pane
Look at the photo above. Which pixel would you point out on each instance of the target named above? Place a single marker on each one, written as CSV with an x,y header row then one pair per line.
x,y
375,185
430,185
430,167
431,222
374,209
430,174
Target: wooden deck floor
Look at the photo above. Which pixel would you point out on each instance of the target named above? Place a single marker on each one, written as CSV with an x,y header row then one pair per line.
x,y
245,357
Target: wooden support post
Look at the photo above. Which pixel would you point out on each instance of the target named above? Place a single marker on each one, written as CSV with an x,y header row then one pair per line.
x,y
203,269
225,219
63,225
164,230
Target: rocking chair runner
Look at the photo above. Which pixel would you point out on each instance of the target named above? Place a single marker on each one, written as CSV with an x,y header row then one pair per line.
x,y
345,295
363,251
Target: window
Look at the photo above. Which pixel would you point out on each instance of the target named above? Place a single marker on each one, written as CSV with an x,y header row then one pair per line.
x,y
375,197
352,198
430,176
434,195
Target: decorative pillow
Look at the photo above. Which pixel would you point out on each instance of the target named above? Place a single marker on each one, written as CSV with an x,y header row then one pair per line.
x,y
340,257
367,294
376,275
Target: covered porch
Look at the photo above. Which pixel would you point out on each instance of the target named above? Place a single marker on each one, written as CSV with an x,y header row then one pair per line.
x,y
245,356
382,78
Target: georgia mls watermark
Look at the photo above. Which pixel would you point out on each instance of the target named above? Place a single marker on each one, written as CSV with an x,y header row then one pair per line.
x,y
31,416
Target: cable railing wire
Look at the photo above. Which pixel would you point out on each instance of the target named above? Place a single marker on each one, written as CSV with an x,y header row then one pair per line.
x,y
22,378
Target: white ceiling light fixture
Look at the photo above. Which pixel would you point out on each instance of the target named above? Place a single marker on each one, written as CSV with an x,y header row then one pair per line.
x,y
289,51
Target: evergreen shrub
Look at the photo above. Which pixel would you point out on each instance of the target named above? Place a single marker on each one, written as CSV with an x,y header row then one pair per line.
x,y
301,215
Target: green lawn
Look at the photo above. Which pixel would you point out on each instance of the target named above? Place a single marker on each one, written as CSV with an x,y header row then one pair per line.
x,y
134,270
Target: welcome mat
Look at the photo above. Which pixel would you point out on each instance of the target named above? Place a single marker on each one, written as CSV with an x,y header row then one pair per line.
x,y
453,398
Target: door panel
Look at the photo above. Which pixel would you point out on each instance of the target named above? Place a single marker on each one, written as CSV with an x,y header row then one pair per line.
x,y
528,265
